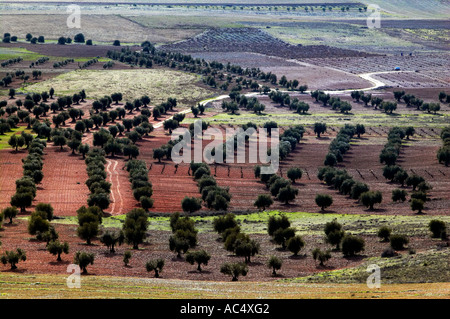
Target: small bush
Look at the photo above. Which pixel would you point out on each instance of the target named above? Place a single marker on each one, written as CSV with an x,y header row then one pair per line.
x,y
384,233
398,242
126,257
437,227
351,245
388,253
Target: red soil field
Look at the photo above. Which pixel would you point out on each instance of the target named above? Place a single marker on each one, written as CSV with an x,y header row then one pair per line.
x,y
40,261
64,181
10,171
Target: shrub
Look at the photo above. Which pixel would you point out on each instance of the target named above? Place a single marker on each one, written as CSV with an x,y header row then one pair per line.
x,y
384,233
398,242
275,264
201,171
332,226
437,227
388,253
351,245
126,257
276,222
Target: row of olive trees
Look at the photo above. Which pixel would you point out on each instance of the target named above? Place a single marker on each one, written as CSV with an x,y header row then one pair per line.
x,y
443,153
141,186
389,156
412,101
32,174
98,186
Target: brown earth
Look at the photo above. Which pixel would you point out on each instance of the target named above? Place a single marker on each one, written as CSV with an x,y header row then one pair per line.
x,y
40,261
241,39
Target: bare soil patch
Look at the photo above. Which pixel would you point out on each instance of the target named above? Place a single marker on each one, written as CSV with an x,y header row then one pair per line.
x,y
241,39
40,261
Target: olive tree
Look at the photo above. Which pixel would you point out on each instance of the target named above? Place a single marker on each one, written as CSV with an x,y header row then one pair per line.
x,y
57,248
155,265
199,258
275,264
83,259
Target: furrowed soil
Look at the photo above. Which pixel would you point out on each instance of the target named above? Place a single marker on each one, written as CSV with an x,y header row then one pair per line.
x,y
63,185
11,170
157,246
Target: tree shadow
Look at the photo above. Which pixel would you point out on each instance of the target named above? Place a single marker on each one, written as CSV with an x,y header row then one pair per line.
x,y
9,225
62,262
297,257
325,267
17,152
206,272
108,254
288,205
327,211
376,210
254,263
18,270
355,258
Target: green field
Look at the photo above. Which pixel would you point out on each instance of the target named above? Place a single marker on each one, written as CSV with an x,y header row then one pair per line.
x,y
430,266
332,119
12,53
5,138
156,83
54,286
306,223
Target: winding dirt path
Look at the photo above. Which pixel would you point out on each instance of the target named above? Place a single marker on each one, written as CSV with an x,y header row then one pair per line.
x,y
113,177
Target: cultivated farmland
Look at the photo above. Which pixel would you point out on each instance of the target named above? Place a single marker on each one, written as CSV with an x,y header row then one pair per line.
x,y
93,120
